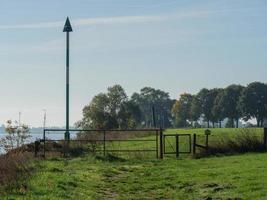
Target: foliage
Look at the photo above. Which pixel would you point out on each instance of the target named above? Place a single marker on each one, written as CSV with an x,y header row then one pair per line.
x,y
246,140
214,105
204,103
181,110
228,102
253,102
230,123
217,109
129,115
149,97
114,110
214,116
16,136
14,170
110,110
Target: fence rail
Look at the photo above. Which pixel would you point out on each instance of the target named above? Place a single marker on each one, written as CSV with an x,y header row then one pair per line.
x,y
134,140
155,139
105,140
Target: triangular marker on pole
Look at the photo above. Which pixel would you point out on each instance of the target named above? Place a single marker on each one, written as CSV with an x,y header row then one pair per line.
x,y
67,26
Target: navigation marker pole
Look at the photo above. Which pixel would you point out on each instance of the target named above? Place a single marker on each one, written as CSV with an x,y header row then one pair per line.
x,y
67,29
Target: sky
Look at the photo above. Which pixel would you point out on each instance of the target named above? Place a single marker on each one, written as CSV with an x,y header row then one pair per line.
x,y
174,45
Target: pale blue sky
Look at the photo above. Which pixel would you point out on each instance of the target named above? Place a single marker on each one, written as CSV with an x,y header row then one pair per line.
x,y
175,45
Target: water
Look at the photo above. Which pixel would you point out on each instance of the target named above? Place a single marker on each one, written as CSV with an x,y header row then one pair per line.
x,y
39,135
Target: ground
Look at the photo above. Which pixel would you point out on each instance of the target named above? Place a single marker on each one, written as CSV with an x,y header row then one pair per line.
x,y
89,177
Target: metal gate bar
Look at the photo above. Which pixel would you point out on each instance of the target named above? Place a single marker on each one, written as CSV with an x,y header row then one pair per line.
x,y
177,151
157,133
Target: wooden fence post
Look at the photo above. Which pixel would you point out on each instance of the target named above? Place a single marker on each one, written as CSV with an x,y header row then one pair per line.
x,y
157,144
207,133
104,145
177,145
44,142
194,143
265,137
36,148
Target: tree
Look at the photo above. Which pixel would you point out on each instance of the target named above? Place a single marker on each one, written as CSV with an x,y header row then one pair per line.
x,y
97,114
212,95
203,104
181,110
129,115
218,109
116,97
149,97
17,135
204,100
229,124
253,102
195,109
110,110
228,103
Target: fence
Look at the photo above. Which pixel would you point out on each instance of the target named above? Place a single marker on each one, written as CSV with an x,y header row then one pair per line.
x,y
138,141
177,144
117,141
101,141
200,143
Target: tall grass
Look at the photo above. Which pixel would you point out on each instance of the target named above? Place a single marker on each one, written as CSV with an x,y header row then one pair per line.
x,y
246,140
14,168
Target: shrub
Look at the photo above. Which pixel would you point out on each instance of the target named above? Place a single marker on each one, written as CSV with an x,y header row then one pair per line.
x,y
247,140
17,136
14,168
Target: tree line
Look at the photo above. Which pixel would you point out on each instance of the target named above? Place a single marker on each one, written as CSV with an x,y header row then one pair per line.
x,y
234,102
115,110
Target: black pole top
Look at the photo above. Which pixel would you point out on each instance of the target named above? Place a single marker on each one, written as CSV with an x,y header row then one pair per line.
x,y
67,26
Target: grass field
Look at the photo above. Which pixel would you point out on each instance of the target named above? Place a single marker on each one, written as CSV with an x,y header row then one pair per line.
x,y
214,131
144,177
216,135
232,177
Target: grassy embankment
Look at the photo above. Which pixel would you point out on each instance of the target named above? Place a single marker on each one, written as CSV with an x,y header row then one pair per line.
x,y
232,177
86,177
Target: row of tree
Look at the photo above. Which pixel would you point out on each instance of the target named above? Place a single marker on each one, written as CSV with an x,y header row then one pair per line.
x,y
114,109
234,102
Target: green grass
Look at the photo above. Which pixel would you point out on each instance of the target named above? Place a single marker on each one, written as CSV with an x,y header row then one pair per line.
x,y
144,177
232,177
214,131
216,135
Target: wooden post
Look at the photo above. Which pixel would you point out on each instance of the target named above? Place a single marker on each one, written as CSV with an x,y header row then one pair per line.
x,y
44,142
207,133
177,145
161,143
157,144
36,148
190,143
104,145
265,137
207,141
194,143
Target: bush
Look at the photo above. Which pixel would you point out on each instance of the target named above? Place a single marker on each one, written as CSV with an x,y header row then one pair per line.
x,y
14,168
16,136
247,140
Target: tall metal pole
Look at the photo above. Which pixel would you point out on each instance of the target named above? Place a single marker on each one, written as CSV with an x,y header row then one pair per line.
x,y
67,84
67,29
